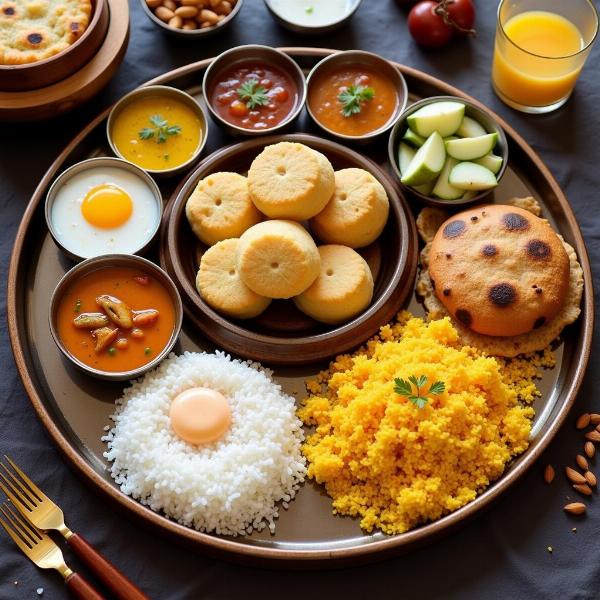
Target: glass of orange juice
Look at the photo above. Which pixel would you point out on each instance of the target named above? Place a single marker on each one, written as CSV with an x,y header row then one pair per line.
x,y
541,47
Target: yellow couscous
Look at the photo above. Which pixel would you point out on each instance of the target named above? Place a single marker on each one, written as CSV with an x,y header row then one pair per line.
x,y
396,465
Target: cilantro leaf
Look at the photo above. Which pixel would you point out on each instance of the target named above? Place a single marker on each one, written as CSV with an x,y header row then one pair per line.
x,y
253,94
411,389
146,134
402,387
157,121
437,388
161,130
354,97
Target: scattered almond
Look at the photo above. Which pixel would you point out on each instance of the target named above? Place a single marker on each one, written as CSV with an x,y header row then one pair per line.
x,y
575,508
595,419
593,436
589,449
583,421
584,489
582,463
549,474
590,478
574,476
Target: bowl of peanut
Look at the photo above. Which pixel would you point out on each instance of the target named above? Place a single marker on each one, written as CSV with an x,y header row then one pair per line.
x,y
191,18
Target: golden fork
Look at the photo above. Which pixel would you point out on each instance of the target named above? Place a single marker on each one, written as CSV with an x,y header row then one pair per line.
x,y
41,512
42,551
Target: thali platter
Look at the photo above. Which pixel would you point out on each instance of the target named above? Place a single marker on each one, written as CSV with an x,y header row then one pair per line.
x,y
75,409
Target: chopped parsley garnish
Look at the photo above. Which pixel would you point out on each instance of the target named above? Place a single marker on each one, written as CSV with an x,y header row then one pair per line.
x,y
415,394
354,97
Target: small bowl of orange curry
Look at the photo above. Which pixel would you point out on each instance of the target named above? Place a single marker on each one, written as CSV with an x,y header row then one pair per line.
x,y
115,316
355,95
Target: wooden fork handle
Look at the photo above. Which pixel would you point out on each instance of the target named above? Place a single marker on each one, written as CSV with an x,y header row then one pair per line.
x,y
81,589
119,586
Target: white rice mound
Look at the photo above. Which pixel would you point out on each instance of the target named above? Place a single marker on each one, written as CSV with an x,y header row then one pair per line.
x,y
231,486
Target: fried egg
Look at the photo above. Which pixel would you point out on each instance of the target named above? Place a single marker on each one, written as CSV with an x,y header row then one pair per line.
x,y
104,210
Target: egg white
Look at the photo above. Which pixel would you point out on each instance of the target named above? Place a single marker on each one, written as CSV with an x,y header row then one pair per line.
x,y
83,239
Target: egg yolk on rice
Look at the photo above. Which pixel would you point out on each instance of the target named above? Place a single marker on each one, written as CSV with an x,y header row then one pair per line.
x,y
395,465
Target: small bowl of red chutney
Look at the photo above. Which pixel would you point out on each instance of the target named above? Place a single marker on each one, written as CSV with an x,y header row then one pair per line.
x,y
254,90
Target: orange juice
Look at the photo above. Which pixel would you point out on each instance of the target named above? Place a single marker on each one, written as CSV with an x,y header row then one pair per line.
x,y
537,65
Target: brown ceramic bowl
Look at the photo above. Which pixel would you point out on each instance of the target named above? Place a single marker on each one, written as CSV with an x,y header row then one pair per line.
x,y
107,261
261,54
282,334
472,110
192,34
16,78
374,62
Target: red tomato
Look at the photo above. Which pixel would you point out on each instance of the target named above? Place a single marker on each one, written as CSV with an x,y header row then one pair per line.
x,y
238,108
462,13
426,27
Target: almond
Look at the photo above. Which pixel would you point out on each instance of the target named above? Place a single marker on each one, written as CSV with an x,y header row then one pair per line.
x,y
590,478
584,489
593,436
574,476
583,421
595,419
549,474
589,449
582,463
575,508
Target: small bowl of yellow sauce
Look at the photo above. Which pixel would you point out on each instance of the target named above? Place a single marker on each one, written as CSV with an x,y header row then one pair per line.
x,y
161,129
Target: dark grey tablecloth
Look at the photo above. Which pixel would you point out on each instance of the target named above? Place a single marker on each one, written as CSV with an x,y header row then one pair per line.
x,y
502,554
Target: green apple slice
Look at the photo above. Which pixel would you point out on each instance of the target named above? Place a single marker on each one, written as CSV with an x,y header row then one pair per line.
x,y
405,156
471,148
470,176
424,189
445,117
427,162
442,188
412,138
469,194
470,128
491,162
450,138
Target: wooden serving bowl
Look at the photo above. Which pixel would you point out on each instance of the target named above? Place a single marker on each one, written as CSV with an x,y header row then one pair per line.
x,y
282,334
30,76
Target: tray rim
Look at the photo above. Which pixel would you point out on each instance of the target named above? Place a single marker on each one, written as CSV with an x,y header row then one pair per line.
x,y
285,558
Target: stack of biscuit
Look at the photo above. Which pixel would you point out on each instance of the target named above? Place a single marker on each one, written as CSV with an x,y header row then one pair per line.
x,y
260,248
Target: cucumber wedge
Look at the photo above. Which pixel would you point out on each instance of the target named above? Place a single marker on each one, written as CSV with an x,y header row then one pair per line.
x,y
470,128
491,162
412,138
442,188
405,156
427,162
471,148
444,117
470,176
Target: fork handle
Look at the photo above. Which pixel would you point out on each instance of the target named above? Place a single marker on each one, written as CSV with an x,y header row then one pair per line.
x,y
81,589
120,587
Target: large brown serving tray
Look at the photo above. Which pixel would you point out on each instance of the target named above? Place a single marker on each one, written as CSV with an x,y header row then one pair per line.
x,y
74,408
